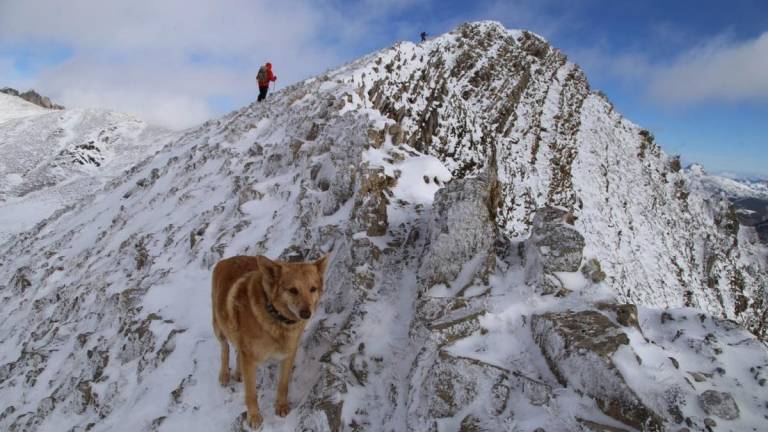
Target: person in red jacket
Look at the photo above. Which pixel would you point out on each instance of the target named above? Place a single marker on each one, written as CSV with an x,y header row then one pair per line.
x,y
264,76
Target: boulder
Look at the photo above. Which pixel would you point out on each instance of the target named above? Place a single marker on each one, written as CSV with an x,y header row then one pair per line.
x,y
558,245
554,246
720,404
462,230
578,347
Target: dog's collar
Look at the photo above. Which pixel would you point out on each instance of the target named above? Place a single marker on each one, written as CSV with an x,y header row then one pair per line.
x,y
278,316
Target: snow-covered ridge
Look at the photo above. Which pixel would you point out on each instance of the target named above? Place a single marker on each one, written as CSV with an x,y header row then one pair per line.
x,y
12,107
436,281
32,97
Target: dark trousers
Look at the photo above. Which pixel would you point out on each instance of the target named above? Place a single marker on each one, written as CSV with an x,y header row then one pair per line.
x,y
262,93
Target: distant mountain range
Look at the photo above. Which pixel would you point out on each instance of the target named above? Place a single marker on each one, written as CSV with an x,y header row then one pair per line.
x,y
749,196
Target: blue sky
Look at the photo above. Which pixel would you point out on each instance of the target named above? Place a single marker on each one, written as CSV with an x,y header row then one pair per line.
x,y
693,72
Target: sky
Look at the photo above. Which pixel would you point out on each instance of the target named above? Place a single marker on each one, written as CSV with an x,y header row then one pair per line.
x,y
694,72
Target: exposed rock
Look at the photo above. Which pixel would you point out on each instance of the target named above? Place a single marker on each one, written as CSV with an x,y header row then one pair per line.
x,y
578,347
371,202
720,404
626,314
559,246
554,246
462,230
32,96
593,271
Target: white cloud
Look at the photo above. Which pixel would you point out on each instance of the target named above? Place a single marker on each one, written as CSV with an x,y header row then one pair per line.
x,y
172,110
142,55
719,70
716,71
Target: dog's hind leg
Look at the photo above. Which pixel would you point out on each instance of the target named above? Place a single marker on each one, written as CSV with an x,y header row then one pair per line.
x,y
238,376
248,366
224,370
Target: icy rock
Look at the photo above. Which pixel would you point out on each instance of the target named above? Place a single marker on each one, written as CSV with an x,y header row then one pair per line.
x,y
462,230
719,404
626,314
370,209
457,385
593,271
578,347
554,246
559,246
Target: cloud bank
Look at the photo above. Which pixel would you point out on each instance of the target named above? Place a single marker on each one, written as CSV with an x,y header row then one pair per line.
x,y
717,71
165,61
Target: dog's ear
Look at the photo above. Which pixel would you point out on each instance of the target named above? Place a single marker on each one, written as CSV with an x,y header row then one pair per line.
x,y
322,263
271,268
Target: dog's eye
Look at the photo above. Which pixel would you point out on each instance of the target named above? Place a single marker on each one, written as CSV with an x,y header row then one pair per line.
x,y
294,291
313,289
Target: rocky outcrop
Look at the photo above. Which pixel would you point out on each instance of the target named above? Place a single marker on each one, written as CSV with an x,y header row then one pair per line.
x,y
554,246
462,231
371,202
579,347
34,97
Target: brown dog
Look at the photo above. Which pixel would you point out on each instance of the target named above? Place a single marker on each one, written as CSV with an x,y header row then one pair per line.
x,y
262,306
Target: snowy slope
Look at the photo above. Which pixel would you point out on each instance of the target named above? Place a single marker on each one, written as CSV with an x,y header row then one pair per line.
x,y
52,158
420,168
12,107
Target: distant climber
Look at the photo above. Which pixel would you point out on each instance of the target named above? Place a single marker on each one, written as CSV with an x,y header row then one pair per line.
x,y
423,36
264,76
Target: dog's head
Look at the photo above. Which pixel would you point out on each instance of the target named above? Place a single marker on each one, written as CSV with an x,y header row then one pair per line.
x,y
295,287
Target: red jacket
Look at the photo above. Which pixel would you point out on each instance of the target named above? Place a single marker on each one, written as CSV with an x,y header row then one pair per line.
x,y
270,76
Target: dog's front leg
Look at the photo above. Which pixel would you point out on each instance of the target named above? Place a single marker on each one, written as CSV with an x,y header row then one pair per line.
x,y
248,367
286,369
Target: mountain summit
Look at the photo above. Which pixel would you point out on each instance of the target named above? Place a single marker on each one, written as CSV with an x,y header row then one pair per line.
x,y
507,253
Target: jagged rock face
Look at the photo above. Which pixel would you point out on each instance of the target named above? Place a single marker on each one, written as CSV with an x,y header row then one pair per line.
x,y
579,347
483,93
33,97
106,324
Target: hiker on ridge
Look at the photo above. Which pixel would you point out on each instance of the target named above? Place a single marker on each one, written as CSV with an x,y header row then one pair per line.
x,y
264,76
423,36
